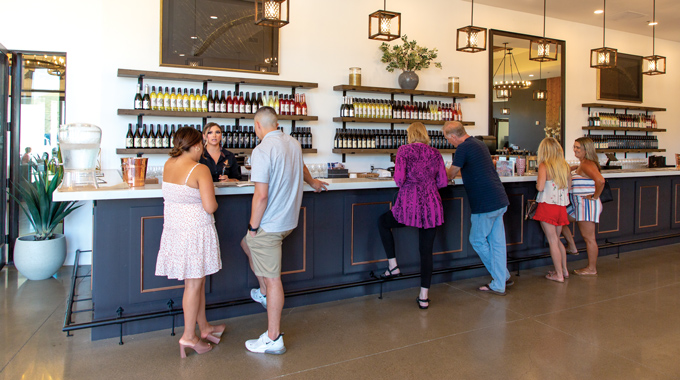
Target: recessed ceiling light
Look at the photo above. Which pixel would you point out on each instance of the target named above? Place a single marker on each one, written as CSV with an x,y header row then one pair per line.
x,y
181,55
531,75
599,11
194,37
653,23
213,17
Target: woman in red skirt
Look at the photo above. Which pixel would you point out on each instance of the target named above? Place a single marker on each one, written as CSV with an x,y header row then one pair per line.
x,y
553,184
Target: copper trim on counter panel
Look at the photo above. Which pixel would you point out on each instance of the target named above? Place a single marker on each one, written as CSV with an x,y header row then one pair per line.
x,y
352,234
640,207
618,213
304,244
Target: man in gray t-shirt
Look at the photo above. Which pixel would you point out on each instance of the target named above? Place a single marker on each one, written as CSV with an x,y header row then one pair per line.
x,y
278,173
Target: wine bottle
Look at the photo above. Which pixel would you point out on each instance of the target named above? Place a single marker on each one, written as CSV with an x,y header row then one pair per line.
x,y
154,98
159,137
173,100
248,104
204,102
137,138
241,103
260,101
230,102
145,137
211,102
228,138
146,99
138,98
192,101
223,103
151,140
166,137
304,105
129,138
166,100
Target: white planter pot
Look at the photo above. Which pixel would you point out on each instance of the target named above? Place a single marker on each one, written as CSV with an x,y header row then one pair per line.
x,y
39,259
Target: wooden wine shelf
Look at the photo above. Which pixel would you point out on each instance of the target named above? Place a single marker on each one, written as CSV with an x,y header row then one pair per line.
x,y
126,73
216,115
386,90
166,151
393,121
629,150
624,129
622,107
381,151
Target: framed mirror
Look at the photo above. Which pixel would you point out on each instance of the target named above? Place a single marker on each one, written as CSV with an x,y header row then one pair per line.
x,y
519,118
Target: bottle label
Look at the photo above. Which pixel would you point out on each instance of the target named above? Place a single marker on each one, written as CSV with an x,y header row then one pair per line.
x,y
229,108
186,104
145,143
166,104
211,107
138,104
129,142
248,108
223,107
138,142
146,105
204,105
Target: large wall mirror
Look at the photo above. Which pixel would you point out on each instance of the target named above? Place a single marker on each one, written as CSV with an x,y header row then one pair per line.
x,y
518,119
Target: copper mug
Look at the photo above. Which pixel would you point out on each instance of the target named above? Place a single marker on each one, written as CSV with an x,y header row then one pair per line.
x,y
134,170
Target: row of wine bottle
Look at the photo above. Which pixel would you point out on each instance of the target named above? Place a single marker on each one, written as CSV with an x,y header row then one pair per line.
x,y
381,139
397,109
200,101
241,137
622,120
624,142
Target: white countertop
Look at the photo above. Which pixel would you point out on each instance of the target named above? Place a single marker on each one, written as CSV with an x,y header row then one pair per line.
x,y
112,177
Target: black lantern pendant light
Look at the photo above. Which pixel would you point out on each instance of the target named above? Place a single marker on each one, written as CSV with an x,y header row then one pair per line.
x,y
540,95
471,39
505,110
543,49
272,13
604,57
654,64
381,25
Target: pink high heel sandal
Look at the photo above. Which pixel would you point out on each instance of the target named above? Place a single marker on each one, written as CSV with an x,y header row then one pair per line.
x,y
200,347
215,337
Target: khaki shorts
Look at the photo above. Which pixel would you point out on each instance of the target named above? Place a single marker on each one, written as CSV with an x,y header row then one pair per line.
x,y
265,252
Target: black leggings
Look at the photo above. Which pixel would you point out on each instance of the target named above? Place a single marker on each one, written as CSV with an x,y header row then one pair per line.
x,y
386,223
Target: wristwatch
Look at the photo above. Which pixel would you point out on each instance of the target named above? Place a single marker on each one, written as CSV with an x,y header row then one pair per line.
x,y
251,228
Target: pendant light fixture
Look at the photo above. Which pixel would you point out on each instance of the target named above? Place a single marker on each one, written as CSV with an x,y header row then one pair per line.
x,y
604,57
540,95
504,88
471,39
505,110
381,25
543,49
654,64
272,13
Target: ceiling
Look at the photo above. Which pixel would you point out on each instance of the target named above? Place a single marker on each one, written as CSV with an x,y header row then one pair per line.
x,y
625,15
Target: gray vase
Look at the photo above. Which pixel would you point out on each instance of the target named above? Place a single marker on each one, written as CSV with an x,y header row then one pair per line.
x,y
408,80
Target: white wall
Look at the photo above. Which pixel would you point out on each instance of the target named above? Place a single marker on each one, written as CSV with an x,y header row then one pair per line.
x,y
322,41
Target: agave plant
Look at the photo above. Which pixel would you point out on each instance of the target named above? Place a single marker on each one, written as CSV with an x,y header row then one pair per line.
x,y
42,212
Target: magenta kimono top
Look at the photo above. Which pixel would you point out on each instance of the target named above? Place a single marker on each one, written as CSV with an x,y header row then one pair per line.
x,y
419,172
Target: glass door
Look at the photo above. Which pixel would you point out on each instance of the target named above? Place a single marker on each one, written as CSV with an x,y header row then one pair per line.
x,y
38,109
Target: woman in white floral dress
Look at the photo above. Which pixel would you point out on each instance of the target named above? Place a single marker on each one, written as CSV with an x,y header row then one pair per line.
x,y
190,248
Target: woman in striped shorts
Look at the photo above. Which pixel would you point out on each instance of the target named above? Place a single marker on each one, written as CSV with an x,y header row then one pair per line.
x,y
585,207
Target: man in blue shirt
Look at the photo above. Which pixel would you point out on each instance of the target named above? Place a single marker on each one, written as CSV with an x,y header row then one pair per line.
x,y
488,203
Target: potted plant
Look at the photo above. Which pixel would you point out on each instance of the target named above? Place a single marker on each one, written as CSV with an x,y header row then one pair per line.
x,y
408,57
39,256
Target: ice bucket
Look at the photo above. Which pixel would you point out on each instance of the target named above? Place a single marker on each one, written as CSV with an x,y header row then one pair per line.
x,y
79,144
134,170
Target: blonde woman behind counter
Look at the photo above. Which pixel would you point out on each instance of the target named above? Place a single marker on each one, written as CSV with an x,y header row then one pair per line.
x,y
221,162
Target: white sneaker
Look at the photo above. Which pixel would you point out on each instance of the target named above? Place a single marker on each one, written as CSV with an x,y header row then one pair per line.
x,y
264,345
257,296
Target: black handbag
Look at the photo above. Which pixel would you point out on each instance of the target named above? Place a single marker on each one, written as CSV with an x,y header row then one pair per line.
x,y
606,195
530,209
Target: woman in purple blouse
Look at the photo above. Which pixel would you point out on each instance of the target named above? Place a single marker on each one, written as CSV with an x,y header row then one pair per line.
x,y
419,173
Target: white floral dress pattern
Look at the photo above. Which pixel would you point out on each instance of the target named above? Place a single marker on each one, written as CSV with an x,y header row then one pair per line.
x,y
189,244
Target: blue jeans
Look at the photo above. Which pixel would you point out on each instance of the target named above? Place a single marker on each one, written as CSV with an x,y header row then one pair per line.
x,y
487,236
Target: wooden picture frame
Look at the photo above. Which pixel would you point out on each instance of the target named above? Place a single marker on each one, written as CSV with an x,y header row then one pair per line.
x,y
217,35
622,83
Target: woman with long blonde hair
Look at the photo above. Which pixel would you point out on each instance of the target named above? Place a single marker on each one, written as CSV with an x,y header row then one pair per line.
x,y
553,184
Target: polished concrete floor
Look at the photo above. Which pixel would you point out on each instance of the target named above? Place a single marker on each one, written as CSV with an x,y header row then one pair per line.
x,y
623,324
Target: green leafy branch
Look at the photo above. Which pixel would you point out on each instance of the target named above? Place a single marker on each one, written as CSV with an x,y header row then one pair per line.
x,y
408,56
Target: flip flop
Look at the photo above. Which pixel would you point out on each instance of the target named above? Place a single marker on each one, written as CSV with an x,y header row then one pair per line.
x,y
580,272
573,253
489,290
